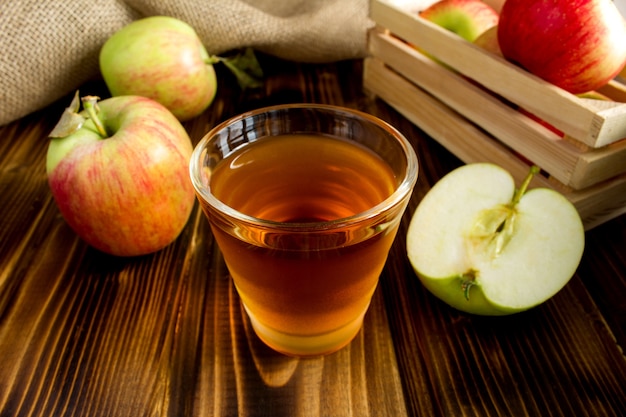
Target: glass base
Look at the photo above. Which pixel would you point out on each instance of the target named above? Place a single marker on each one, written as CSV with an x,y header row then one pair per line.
x,y
303,346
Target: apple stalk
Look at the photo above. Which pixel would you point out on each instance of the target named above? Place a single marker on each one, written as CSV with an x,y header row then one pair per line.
x,y
90,104
72,119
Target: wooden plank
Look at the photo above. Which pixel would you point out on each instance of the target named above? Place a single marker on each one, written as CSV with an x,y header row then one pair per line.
x,y
597,165
565,111
615,89
602,202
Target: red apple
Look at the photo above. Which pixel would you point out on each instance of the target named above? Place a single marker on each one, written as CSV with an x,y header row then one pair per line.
x,y
120,177
466,18
578,45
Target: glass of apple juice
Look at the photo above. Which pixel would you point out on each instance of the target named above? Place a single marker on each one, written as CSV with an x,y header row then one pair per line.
x,y
304,202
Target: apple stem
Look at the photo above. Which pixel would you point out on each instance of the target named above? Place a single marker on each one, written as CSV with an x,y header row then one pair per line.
x,y
534,170
90,104
212,60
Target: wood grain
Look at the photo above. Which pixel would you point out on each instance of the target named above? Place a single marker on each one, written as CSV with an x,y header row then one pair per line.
x,y
87,334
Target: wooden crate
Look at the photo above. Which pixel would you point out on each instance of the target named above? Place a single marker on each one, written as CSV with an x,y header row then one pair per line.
x,y
474,111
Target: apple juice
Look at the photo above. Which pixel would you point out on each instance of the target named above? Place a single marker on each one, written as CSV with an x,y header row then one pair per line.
x,y
307,283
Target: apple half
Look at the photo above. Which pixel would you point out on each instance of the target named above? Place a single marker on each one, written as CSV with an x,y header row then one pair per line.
x,y
485,247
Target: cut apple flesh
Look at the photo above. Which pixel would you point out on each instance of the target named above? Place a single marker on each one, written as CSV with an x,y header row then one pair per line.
x,y
480,251
541,256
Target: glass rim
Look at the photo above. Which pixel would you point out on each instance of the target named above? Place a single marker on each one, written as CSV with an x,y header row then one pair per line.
x,y
402,191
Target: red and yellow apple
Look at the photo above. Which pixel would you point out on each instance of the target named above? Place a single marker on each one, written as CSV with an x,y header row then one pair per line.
x,y
161,58
120,176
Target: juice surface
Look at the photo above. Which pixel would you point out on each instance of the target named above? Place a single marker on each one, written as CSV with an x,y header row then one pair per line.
x,y
299,178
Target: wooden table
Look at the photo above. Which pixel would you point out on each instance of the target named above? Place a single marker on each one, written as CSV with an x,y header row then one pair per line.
x,y
87,334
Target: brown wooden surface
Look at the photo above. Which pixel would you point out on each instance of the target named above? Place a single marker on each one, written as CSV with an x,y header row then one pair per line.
x,y
86,334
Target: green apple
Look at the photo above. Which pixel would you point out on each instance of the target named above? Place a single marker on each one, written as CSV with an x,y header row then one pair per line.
x,y
466,18
161,58
484,247
118,172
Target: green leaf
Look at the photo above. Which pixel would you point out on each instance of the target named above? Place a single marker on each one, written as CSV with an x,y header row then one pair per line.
x,y
245,67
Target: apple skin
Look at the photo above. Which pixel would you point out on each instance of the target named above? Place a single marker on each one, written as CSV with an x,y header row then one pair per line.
x,y
578,45
466,18
128,194
161,58
541,256
488,40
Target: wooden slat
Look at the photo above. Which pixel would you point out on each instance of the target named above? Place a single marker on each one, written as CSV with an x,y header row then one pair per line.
x,y
615,89
596,165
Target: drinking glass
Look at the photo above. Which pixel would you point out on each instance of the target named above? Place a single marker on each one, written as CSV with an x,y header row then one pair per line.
x,y
304,202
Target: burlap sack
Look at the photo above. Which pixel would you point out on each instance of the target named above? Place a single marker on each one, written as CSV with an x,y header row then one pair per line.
x,y
49,47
